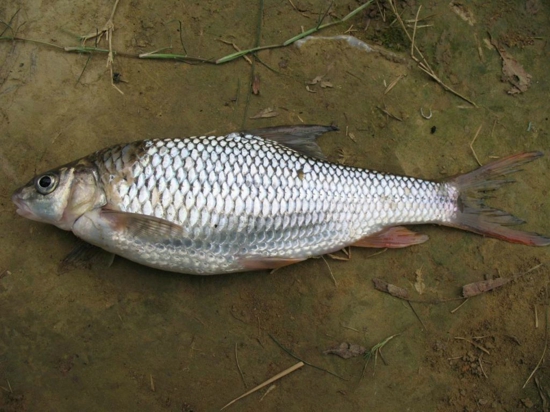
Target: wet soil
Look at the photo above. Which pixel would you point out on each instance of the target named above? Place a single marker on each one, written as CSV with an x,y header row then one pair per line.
x,y
131,338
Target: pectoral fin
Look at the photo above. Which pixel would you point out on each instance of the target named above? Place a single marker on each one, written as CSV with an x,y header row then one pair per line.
x,y
149,228
108,229
392,237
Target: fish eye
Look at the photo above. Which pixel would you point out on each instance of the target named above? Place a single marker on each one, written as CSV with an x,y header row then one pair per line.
x,y
46,184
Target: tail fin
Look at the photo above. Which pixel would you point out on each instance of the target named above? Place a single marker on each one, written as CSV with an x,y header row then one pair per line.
x,y
475,216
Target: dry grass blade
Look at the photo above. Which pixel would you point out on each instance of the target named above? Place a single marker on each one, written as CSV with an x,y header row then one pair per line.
x,y
239,366
393,116
472,144
330,271
392,84
267,382
545,341
474,344
424,63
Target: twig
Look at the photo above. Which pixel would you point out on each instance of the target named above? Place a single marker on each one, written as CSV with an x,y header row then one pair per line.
x,y
272,387
414,31
424,63
330,271
253,65
389,114
459,306
472,144
239,366
307,363
392,84
481,366
108,31
416,314
8,24
267,382
474,344
545,341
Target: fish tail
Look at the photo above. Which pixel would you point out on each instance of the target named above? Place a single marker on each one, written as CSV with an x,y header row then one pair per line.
x,y
475,216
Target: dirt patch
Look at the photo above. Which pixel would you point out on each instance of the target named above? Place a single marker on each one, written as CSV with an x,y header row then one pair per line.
x,y
131,338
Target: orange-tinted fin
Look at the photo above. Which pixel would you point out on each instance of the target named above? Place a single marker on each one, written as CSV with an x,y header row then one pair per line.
x,y
264,263
474,215
392,237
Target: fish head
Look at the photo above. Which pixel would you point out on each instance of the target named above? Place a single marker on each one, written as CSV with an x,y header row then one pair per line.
x,y
60,196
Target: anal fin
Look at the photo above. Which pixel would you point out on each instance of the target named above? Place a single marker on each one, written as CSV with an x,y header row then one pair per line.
x,y
392,237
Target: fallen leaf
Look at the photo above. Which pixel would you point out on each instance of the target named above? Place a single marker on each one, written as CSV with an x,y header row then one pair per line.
x,y
256,85
477,288
419,284
393,290
265,113
310,90
346,350
512,71
326,84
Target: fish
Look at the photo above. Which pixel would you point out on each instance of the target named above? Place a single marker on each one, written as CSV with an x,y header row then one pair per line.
x,y
255,200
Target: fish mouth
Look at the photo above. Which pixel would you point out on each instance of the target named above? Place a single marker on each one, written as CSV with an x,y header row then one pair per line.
x,y
22,208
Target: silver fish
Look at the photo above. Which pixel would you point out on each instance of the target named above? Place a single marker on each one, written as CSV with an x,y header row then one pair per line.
x,y
253,200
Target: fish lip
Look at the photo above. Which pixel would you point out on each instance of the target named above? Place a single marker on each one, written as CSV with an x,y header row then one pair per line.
x,y
22,208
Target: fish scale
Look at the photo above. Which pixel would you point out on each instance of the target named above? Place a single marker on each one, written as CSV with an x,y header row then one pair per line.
x,y
257,198
254,200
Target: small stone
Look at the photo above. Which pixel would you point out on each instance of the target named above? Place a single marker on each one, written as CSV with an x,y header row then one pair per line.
x,y
528,403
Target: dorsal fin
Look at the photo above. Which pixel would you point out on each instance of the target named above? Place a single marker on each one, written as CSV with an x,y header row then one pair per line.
x,y
299,138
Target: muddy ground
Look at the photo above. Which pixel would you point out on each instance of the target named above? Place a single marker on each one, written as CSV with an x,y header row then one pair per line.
x,y
131,338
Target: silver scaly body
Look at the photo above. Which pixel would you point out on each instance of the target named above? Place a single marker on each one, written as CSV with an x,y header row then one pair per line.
x,y
241,197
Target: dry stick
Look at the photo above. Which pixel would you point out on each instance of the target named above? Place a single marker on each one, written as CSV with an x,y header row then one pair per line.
x,y
267,382
481,366
459,306
329,269
253,65
474,344
424,65
272,387
416,314
414,30
389,114
472,144
545,342
239,366
392,84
